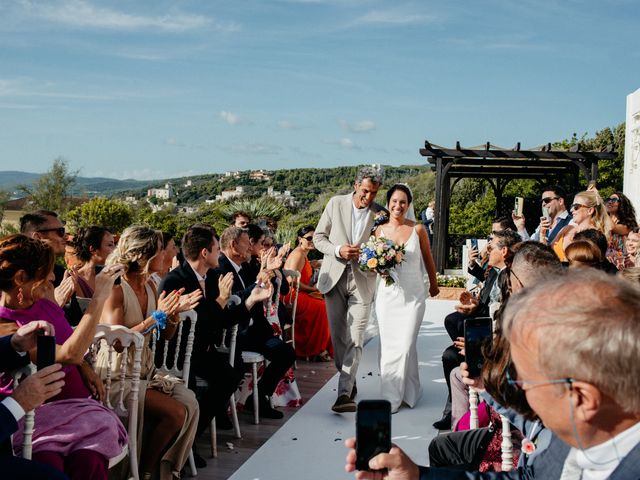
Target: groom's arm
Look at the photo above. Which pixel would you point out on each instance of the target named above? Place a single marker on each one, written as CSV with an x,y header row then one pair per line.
x,y
323,229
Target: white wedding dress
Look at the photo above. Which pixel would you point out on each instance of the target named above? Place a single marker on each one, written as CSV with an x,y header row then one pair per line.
x,y
399,310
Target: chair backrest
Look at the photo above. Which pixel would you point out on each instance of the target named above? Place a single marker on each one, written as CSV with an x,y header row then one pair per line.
x,y
233,334
121,339
177,343
29,417
291,300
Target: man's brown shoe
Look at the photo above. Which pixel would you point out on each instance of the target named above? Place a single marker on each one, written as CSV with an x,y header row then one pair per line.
x,y
344,404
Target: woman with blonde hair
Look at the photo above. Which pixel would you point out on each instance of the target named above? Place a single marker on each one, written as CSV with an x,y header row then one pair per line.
x,y
589,211
168,408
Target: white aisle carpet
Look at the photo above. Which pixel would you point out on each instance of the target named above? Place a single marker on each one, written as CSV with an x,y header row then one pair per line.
x,y
311,444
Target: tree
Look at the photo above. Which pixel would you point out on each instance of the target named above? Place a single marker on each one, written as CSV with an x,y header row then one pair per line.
x,y
4,198
51,190
112,214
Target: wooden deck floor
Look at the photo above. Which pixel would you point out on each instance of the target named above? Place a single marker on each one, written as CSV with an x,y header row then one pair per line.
x,y
310,377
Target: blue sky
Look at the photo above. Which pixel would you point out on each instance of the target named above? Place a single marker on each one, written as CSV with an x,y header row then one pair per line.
x,y
153,89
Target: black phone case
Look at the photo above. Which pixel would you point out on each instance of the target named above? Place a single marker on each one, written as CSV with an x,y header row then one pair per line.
x,y
46,351
367,446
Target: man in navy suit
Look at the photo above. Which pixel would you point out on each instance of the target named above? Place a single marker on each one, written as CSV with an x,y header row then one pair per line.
x,y
259,336
574,348
31,393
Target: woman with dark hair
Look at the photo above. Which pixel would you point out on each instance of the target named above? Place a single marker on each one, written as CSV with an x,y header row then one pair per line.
x,y
400,306
312,335
92,246
168,253
623,218
73,432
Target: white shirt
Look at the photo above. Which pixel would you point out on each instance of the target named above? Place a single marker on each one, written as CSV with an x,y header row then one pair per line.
x,y
599,461
14,407
358,224
237,268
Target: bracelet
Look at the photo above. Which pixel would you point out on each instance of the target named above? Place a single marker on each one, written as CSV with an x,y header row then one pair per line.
x,y
160,317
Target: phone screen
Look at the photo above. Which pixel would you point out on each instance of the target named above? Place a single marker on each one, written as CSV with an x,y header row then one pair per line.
x,y
46,351
474,243
373,431
477,332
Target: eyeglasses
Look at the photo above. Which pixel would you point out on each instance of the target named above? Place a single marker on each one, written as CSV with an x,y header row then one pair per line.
x,y
59,230
308,238
519,384
510,273
546,200
613,200
577,206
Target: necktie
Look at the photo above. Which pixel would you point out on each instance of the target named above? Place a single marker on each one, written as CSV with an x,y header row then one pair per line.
x,y
571,469
204,290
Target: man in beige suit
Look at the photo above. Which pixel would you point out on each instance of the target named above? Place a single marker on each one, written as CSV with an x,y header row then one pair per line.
x,y
346,223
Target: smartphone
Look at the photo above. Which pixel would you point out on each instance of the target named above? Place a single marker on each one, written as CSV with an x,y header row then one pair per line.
x,y
545,212
518,206
474,244
477,333
46,345
373,431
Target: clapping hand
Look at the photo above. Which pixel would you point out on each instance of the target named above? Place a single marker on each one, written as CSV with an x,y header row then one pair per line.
x,y
225,284
189,301
66,288
105,281
169,303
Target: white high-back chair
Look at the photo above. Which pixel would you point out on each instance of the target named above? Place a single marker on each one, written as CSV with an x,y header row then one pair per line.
x,y
291,301
108,336
174,369
29,417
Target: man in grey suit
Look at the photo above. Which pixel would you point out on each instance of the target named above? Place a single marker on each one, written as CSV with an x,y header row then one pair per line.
x,y
346,223
574,346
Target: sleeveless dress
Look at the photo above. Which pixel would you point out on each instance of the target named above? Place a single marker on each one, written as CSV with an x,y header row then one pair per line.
x,y
178,451
312,327
400,309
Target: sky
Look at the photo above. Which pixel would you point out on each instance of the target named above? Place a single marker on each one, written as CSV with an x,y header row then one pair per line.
x,y
157,89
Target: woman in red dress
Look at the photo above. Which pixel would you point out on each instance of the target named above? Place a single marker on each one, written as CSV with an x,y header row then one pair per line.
x,y
312,335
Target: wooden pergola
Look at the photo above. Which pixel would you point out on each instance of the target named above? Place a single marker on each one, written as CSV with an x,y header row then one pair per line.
x,y
498,166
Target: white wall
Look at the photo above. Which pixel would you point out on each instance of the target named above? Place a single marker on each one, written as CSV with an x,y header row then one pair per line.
x,y
632,150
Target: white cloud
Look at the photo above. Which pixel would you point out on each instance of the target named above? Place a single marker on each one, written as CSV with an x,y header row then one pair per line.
x,y
230,117
82,14
255,149
287,125
171,141
393,17
362,126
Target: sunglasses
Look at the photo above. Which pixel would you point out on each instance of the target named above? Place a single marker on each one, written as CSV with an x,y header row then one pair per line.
x,y
613,200
577,206
59,230
546,200
308,238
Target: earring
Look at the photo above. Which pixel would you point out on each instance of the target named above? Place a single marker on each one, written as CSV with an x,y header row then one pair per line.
x,y
20,296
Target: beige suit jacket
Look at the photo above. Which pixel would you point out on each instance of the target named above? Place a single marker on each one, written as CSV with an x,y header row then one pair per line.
x,y
334,229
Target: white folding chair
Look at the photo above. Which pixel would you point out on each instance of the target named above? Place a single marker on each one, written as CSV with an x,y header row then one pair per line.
x,y
126,339
291,301
29,417
175,369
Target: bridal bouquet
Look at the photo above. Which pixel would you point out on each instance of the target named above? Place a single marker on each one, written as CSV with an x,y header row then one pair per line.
x,y
381,255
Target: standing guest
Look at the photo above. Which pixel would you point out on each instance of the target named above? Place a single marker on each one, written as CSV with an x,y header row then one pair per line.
x,y
170,418
623,219
240,219
260,336
428,216
73,432
312,335
46,226
93,245
345,223
553,199
588,211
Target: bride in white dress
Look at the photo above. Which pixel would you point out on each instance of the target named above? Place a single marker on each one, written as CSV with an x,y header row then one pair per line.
x,y
400,307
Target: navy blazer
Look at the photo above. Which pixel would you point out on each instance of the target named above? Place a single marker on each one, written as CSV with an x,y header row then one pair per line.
x,y
9,360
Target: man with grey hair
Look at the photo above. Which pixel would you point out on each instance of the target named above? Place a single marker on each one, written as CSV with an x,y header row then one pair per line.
x,y
575,344
346,223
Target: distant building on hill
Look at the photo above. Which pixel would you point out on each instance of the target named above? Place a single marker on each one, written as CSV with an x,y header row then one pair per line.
x,y
262,175
188,184
227,195
285,197
162,193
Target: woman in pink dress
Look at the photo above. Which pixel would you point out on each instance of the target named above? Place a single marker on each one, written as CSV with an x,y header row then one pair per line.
x,y
73,432
312,336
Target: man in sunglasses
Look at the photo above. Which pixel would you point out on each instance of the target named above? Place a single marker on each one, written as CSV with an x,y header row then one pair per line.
x,y
45,225
552,202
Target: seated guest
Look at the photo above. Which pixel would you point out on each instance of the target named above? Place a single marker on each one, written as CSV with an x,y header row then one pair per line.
x,y
32,392
312,335
588,211
597,238
201,250
632,258
240,219
583,253
479,261
252,267
632,274
499,251
71,259
73,432
260,336
574,348
167,409
93,245
169,255
623,221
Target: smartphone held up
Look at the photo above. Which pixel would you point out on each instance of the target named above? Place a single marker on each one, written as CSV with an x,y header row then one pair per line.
x,y
373,431
46,355
477,333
